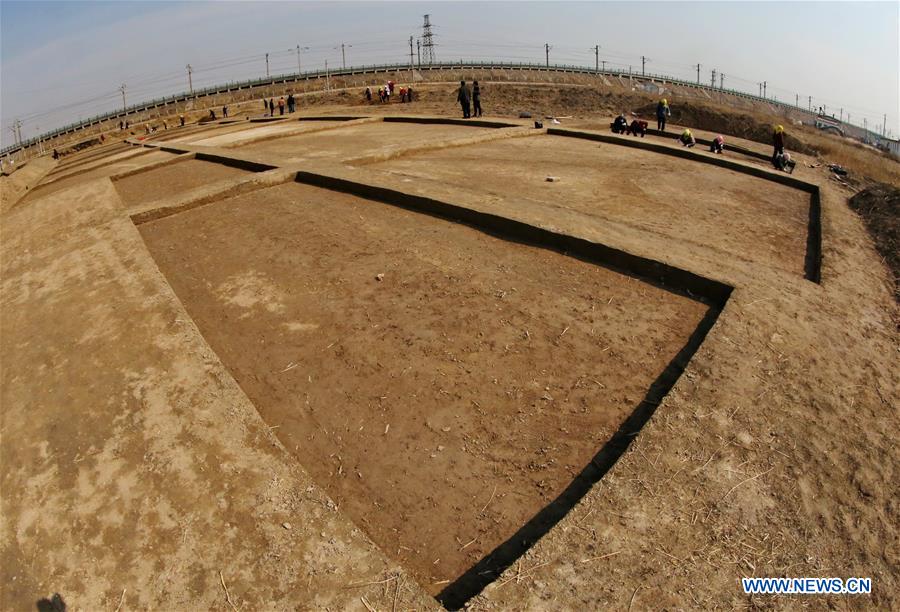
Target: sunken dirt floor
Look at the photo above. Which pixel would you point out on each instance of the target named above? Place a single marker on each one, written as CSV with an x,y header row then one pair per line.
x,y
158,450
355,140
442,406
172,180
678,198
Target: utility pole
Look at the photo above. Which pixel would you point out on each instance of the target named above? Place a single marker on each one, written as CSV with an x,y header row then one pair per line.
x,y
721,80
810,104
713,82
760,89
698,74
842,115
428,40
884,126
547,53
596,58
797,100
419,52
343,55
764,89
299,49
327,80
410,52
122,89
604,65
190,80
267,65
644,61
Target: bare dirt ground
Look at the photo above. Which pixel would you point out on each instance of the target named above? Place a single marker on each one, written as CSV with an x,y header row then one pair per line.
x,y
141,471
354,140
476,371
15,186
173,179
674,197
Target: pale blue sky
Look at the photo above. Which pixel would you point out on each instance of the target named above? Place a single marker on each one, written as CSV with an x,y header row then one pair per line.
x,y
61,61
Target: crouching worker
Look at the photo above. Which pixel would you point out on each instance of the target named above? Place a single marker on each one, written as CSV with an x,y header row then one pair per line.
x,y
687,139
620,125
784,162
718,144
638,127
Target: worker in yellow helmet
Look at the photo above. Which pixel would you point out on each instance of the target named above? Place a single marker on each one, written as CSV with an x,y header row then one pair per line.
x,y
662,111
687,139
778,143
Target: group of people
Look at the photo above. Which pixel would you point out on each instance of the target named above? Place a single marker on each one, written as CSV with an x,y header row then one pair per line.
x,y
385,93
469,101
271,104
621,126
781,159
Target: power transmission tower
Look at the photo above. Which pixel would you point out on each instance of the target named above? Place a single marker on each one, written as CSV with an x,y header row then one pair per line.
x,y
810,104
721,80
604,65
190,80
267,65
596,58
547,53
644,61
428,40
764,88
698,74
713,82
797,100
122,89
419,52
884,126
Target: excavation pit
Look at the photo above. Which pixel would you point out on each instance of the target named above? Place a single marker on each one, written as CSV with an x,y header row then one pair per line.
x,y
685,200
356,140
443,385
173,179
277,130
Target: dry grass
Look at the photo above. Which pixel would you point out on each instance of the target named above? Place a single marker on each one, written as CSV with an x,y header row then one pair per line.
x,y
860,160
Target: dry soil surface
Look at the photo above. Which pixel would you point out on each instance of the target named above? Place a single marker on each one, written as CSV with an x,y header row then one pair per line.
x,y
443,405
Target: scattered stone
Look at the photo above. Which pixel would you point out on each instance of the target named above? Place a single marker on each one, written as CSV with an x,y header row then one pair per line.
x,y
552,179
286,525
379,277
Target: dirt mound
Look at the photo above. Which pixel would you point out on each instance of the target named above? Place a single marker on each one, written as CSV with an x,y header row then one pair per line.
x,y
879,206
735,124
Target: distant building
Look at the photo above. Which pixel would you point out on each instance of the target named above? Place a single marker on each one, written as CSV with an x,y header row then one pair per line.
x,y
829,124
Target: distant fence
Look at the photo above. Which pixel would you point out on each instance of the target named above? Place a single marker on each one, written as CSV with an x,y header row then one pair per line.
x,y
365,70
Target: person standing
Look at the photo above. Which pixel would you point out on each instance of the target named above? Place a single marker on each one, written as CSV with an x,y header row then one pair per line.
x,y
476,98
265,107
225,111
778,144
281,105
662,112
368,94
463,98
271,107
